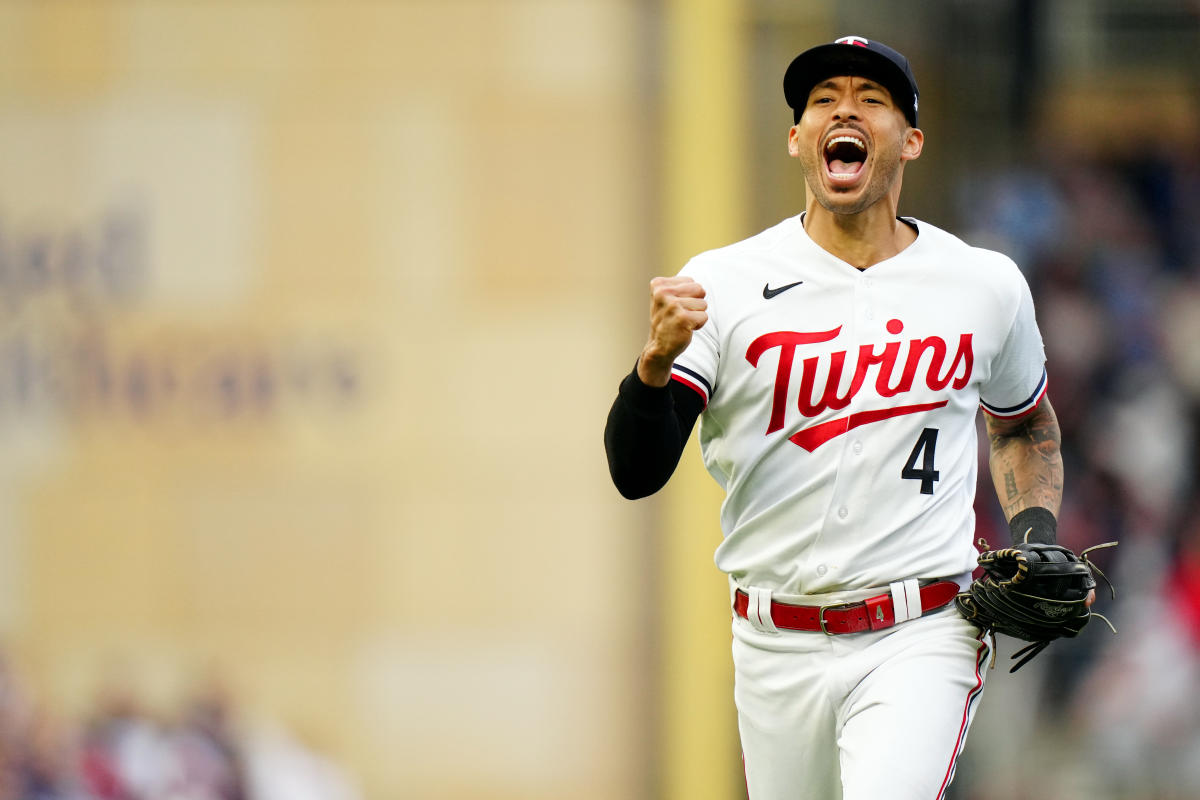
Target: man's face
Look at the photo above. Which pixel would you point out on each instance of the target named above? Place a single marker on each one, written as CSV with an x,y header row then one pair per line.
x,y
852,141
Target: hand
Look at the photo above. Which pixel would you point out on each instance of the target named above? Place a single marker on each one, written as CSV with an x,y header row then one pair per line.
x,y
677,310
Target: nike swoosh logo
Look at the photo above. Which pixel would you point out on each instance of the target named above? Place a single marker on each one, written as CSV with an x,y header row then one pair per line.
x,y
768,292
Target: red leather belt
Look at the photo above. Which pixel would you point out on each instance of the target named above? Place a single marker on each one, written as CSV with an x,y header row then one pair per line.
x,y
873,614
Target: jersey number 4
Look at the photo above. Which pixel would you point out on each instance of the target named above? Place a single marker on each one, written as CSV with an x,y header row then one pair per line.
x,y
924,450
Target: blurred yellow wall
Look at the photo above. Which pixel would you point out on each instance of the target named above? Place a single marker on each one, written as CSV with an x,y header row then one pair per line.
x,y
306,341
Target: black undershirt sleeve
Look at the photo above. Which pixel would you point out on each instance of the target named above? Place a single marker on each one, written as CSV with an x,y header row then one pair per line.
x,y
646,432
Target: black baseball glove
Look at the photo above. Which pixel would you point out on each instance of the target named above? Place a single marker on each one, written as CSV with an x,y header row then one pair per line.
x,y
1032,591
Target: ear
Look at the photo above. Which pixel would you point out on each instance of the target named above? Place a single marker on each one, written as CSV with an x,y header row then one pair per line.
x,y
914,142
793,141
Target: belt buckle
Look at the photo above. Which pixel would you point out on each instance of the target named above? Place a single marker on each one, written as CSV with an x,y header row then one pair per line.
x,y
821,615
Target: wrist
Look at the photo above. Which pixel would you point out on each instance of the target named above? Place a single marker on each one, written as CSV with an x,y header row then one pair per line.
x,y
1036,524
654,369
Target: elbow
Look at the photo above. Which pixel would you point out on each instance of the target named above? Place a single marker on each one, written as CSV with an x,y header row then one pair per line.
x,y
630,487
633,484
634,492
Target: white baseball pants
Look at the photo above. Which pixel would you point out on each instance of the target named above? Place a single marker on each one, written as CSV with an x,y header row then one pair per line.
x,y
860,716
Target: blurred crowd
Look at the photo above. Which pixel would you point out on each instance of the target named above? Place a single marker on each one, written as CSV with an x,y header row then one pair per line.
x,y
1110,243
122,751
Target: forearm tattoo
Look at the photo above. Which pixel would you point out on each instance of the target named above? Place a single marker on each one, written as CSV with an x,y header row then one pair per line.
x,y
1010,486
1026,461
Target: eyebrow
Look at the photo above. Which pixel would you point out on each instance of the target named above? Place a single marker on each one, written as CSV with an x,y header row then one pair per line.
x,y
867,83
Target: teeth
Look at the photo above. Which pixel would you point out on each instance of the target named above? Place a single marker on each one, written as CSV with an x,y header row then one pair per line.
x,y
854,140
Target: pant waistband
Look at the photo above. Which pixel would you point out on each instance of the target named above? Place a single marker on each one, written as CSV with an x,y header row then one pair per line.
x,y
903,601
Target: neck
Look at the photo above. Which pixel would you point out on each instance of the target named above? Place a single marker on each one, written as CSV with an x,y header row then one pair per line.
x,y
862,239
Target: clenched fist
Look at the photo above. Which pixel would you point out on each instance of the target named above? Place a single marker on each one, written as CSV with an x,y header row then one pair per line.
x,y
677,309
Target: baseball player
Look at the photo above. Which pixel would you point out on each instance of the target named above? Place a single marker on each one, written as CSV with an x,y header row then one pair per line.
x,y
836,362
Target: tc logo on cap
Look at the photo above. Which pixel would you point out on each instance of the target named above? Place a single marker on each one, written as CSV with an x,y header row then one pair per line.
x,y
855,40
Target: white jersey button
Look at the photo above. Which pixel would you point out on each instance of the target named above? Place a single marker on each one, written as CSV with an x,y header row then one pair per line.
x,y
822,569
843,512
858,447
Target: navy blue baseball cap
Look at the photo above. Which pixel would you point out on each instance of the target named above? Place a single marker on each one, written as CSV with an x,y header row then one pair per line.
x,y
852,55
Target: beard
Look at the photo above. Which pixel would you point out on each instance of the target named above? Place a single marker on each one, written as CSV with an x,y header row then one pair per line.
x,y
885,169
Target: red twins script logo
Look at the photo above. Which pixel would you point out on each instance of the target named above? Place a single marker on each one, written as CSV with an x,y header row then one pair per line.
x,y
957,375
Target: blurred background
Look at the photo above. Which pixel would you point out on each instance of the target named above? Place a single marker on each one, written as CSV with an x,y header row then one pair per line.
x,y
311,313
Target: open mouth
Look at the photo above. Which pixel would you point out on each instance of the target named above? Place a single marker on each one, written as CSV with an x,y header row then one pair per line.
x,y
845,157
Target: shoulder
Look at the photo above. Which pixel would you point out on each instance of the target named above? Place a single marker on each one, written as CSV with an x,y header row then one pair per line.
x,y
979,262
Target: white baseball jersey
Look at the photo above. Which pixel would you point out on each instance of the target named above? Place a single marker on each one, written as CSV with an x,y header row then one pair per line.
x,y
841,403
